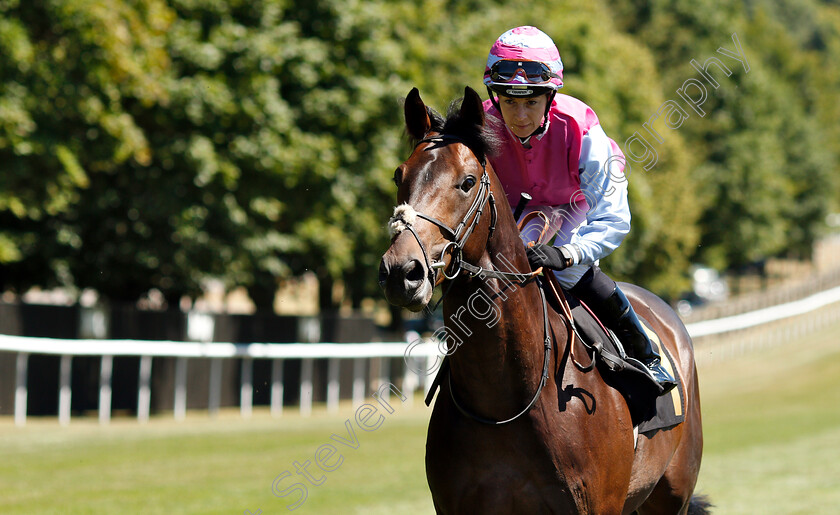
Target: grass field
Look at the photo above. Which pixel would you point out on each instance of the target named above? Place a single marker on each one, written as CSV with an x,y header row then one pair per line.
x,y
771,422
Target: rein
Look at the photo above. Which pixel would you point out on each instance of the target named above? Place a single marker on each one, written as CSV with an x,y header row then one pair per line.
x,y
543,379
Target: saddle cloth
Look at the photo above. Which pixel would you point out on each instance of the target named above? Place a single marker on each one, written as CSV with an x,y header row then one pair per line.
x,y
649,410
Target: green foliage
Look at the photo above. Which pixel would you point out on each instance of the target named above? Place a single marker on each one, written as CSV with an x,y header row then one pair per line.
x,y
767,149
66,69
148,144
208,139
599,63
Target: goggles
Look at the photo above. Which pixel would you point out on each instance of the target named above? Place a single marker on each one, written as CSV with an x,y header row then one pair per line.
x,y
535,72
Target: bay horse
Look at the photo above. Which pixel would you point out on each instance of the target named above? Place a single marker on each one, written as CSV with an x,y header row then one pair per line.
x,y
516,428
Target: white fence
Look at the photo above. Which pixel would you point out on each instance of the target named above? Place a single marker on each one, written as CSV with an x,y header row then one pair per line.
x,y
794,327
107,349
763,316
306,352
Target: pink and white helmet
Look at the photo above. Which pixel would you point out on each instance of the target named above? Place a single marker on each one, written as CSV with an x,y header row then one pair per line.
x,y
524,62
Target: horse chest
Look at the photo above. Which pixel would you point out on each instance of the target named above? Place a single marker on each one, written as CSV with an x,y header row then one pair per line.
x,y
540,464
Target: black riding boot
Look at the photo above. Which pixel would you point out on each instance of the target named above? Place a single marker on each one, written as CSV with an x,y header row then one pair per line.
x,y
617,314
610,304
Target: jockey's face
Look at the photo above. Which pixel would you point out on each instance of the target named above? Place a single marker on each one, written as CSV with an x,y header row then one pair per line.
x,y
523,115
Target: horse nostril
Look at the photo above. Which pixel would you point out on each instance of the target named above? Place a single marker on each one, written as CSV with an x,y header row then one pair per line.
x,y
414,271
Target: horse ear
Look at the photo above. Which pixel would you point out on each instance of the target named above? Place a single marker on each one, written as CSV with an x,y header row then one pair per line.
x,y
417,120
471,107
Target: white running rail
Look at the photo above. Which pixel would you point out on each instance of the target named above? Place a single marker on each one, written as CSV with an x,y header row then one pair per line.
x,y
307,352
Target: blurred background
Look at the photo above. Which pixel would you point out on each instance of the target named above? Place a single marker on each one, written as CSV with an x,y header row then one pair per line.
x,y
235,158
167,152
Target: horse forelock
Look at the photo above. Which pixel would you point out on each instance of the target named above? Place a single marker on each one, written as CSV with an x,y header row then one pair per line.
x,y
481,139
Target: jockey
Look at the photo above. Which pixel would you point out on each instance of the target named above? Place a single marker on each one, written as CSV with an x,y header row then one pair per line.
x,y
553,148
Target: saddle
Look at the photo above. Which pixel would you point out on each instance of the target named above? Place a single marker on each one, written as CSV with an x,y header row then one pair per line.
x,y
649,410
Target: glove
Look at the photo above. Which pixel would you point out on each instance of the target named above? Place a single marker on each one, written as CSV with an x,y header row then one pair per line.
x,y
547,256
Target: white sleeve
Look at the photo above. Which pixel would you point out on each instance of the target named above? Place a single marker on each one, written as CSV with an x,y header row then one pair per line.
x,y
604,185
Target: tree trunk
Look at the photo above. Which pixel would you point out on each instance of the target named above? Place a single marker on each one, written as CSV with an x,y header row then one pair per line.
x,y
262,292
326,304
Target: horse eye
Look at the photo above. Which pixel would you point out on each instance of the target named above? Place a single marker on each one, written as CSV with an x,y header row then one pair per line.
x,y
397,177
468,183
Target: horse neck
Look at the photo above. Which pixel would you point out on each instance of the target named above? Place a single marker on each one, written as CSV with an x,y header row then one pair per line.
x,y
498,326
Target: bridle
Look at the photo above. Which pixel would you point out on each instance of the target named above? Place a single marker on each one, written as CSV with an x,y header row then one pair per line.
x,y
457,239
458,236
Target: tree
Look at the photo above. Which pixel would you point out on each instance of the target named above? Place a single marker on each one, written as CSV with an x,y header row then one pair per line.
x,y
155,145
65,68
765,149
205,139
600,62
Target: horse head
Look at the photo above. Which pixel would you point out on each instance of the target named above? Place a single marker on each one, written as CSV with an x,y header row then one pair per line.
x,y
445,206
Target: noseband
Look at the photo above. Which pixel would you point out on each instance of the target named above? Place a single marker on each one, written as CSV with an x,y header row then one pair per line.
x,y
457,237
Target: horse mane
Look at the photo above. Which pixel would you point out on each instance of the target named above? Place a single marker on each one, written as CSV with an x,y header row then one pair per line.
x,y
481,139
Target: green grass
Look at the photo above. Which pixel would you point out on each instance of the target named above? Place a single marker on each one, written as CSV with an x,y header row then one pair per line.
x,y
771,424
225,465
